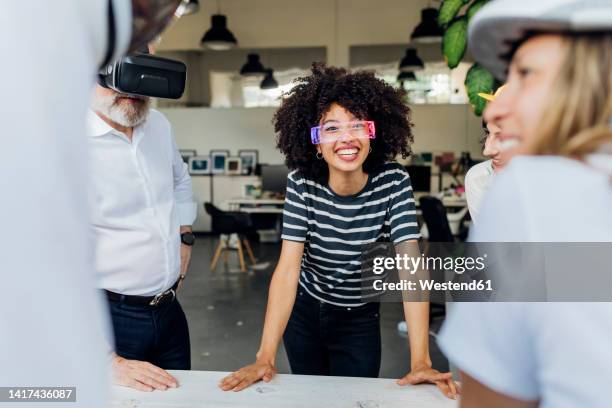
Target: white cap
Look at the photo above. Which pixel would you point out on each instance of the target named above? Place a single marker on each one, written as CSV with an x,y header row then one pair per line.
x,y
501,23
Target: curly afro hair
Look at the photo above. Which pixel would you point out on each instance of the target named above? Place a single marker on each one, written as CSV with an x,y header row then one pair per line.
x,y
362,94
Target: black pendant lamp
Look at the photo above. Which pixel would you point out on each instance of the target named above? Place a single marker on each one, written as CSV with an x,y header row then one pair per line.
x,y
406,76
411,61
428,30
269,82
253,66
218,37
187,7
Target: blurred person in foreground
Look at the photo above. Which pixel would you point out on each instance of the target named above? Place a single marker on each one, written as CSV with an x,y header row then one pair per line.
x,y
555,114
52,319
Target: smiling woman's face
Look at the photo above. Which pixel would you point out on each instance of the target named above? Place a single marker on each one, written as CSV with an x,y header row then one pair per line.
x,y
518,111
348,153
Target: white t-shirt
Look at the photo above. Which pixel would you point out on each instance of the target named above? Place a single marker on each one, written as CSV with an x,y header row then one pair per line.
x,y
477,182
558,353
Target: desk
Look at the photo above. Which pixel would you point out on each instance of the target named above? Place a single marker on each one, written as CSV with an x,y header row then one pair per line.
x,y
240,204
456,208
260,206
199,389
448,202
260,210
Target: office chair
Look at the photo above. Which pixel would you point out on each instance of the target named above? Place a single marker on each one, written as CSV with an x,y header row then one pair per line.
x,y
439,230
436,219
226,224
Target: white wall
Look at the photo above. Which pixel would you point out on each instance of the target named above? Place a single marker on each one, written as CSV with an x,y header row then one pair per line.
x,y
204,129
437,128
335,24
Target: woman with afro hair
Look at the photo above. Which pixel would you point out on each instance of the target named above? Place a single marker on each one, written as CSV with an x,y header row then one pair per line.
x,y
340,133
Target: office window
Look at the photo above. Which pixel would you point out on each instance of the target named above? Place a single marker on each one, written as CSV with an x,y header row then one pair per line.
x,y
230,89
435,84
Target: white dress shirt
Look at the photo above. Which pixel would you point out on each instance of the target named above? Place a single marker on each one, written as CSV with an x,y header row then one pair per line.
x,y
52,318
141,196
477,182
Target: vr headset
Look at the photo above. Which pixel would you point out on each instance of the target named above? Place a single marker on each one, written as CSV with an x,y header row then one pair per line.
x,y
146,75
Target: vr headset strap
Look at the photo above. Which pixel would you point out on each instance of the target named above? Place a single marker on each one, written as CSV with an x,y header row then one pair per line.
x,y
110,48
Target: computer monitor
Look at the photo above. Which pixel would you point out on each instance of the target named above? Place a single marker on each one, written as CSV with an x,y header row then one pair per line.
x,y
274,178
420,177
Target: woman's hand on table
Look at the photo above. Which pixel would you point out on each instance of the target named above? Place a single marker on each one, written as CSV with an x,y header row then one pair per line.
x,y
248,375
426,374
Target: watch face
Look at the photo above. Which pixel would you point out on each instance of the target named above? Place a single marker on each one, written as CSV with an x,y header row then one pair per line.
x,y
187,238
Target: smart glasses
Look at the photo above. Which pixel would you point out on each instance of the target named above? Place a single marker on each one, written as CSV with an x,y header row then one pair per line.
x,y
334,131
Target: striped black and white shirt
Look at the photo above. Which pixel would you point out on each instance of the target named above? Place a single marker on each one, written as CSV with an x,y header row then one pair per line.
x,y
333,228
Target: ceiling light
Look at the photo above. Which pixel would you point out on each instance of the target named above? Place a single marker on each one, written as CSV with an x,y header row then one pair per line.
x,y
219,37
411,61
406,76
253,67
428,30
269,82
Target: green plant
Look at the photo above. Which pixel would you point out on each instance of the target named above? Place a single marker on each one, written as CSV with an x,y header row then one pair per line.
x,y
454,17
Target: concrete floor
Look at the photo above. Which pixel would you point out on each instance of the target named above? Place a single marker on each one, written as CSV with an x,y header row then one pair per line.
x,y
225,311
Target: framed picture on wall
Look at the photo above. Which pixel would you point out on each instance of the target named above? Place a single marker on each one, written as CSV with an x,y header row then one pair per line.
x,y
187,153
199,165
233,166
218,158
249,160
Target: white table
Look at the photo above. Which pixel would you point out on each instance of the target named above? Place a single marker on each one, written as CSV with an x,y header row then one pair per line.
x,y
199,389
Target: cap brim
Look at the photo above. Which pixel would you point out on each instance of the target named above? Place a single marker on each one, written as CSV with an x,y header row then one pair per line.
x,y
499,25
486,96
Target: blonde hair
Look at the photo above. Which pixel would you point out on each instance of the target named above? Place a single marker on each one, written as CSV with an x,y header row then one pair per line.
x,y
577,117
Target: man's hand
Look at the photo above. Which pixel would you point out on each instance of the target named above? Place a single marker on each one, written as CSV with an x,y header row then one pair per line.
x,y
141,375
246,376
185,259
426,374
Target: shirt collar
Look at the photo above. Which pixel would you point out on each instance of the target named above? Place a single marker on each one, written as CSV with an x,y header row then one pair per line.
x,y
490,169
96,126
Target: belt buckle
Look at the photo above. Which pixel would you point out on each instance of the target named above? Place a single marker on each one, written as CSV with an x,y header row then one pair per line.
x,y
160,296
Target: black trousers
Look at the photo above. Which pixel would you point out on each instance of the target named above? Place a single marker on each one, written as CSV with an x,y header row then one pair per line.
x,y
323,339
159,335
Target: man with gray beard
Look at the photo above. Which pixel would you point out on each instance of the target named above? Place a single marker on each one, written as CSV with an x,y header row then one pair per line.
x,y
142,212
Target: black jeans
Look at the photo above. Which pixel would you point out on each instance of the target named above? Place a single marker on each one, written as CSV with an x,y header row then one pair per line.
x,y
323,339
158,335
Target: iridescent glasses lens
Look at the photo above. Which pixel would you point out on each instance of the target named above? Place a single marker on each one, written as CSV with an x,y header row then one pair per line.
x,y
335,131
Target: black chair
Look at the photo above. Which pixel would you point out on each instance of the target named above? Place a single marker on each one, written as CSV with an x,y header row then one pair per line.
x,y
439,230
227,223
435,218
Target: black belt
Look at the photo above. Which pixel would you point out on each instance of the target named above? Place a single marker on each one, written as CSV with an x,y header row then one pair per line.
x,y
158,300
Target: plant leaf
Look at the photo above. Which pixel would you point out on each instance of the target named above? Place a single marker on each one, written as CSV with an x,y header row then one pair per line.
x,y
478,80
454,43
448,11
474,7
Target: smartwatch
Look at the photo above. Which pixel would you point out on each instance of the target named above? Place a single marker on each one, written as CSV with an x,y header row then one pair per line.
x,y
188,238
